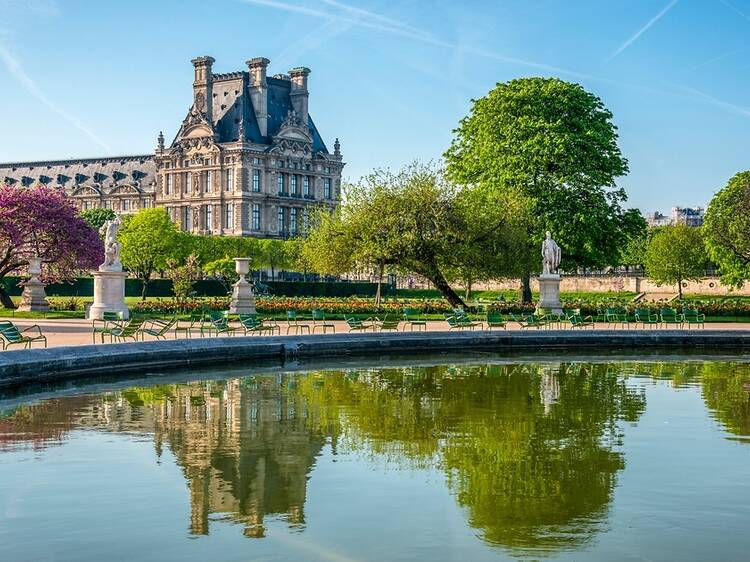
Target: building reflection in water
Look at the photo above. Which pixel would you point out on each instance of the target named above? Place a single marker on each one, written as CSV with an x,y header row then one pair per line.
x,y
530,451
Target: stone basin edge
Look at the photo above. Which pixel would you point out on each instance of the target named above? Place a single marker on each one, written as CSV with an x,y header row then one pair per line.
x,y
21,367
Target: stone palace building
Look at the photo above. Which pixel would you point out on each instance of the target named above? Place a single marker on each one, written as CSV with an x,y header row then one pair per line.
x,y
247,160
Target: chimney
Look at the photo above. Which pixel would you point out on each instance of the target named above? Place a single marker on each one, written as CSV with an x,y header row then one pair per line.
x,y
299,93
259,91
203,85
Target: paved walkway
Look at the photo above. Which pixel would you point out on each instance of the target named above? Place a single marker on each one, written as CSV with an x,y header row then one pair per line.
x,y
78,332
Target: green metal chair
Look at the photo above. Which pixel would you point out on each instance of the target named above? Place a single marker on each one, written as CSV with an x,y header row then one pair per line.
x,y
495,320
646,317
193,323
131,330
217,323
319,321
386,324
528,321
251,324
103,327
693,317
357,325
157,328
459,322
670,317
293,323
413,320
617,316
577,320
10,335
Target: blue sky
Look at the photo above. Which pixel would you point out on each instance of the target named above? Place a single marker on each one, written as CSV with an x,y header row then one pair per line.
x,y
390,79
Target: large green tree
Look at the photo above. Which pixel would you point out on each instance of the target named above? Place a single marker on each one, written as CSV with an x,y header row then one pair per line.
x,y
554,144
149,241
676,254
96,218
727,230
414,220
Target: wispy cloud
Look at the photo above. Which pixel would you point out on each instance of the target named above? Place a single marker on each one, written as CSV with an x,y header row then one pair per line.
x,y
642,30
17,71
735,10
703,96
374,21
720,57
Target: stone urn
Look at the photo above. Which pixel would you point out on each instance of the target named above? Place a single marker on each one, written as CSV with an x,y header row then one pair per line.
x,y
243,301
34,297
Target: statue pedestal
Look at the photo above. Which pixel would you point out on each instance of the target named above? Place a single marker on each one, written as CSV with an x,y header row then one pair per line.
x,y
243,301
109,294
34,298
549,294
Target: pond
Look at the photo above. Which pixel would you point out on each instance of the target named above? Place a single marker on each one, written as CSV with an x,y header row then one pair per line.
x,y
472,459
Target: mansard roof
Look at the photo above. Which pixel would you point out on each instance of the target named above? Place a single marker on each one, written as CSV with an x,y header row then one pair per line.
x,y
107,173
232,105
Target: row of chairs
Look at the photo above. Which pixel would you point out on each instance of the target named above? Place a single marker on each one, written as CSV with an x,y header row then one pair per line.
x,y
666,316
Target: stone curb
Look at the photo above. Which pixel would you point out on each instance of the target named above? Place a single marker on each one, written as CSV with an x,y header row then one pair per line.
x,y
28,366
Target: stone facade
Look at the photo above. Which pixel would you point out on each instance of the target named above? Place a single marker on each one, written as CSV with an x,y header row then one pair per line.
x,y
247,160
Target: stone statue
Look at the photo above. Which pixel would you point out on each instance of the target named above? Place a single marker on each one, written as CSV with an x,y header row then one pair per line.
x,y
550,255
111,245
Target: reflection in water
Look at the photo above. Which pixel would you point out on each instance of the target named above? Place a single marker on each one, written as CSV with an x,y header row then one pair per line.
x,y
532,452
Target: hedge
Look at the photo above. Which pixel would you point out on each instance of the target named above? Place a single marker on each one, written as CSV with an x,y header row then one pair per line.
x,y
84,287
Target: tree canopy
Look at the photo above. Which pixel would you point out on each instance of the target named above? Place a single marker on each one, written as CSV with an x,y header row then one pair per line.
x,y
150,240
42,222
675,254
96,218
413,220
727,230
554,144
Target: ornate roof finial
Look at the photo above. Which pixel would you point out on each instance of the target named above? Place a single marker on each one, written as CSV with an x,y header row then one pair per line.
x,y
160,141
337,148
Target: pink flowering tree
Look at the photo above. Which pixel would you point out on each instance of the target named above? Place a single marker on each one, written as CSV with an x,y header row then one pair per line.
x,y
41,221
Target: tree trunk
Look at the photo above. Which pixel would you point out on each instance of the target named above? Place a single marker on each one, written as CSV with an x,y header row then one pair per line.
x,y
679,289
5,299
144,287
525,289
438,279
467,293
381,268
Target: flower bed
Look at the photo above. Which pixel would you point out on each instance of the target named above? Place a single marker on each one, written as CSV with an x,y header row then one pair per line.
x,y
340,306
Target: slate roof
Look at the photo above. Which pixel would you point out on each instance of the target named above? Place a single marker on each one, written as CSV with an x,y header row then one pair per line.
x,y
232,103
108,172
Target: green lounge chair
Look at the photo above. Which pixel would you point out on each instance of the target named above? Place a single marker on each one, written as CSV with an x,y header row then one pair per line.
x,y
10,335
413,320
188,325
646,317
693,317
251,324
386,324
131,330
293,323
357,325
577,320
319,321
460,322
670,317
157,328
218,323
528,320
495,320
108,321
617,316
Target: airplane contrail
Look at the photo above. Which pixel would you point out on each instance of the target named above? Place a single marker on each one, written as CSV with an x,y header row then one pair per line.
x,y
643,30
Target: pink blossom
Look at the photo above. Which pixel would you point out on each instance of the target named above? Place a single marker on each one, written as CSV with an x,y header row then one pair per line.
x,y
42,221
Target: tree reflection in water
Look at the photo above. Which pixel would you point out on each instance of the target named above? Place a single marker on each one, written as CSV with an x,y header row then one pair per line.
x,y
530,451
